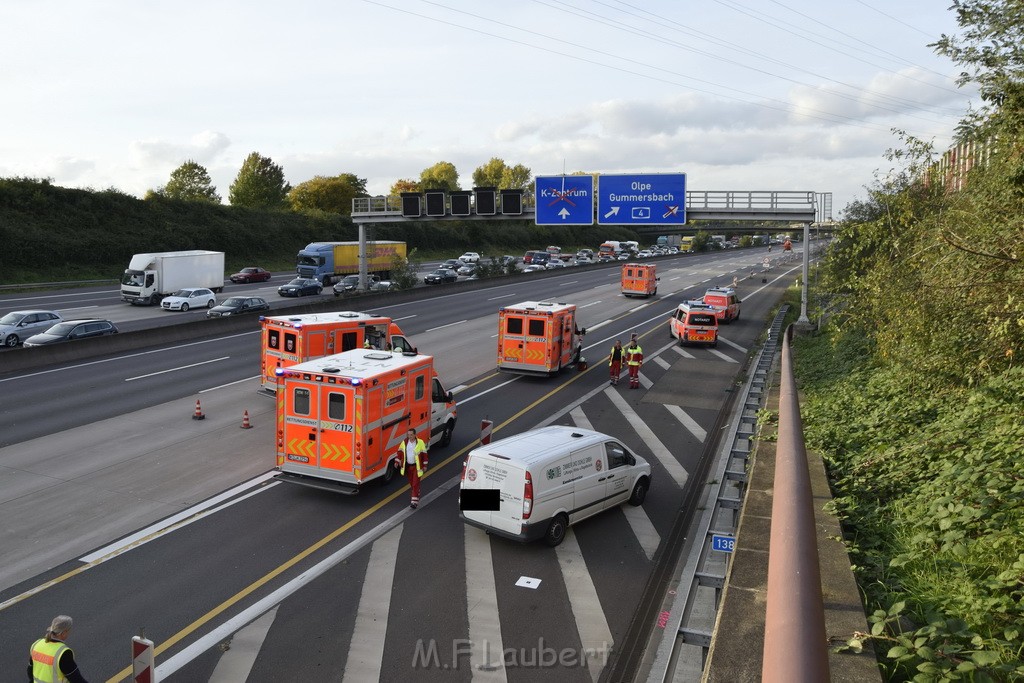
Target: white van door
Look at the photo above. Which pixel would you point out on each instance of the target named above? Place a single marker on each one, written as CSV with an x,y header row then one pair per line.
x,y
618,479
486,471
587,467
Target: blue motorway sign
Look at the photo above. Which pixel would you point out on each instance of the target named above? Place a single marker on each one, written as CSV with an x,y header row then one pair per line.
x,y
642,199
722,543
564,199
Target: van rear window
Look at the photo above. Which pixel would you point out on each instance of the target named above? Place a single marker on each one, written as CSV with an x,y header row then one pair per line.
x,y
702,319
513,325
536,327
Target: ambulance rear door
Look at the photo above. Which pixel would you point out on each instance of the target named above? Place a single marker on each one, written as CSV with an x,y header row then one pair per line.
x,y
319,430
280,349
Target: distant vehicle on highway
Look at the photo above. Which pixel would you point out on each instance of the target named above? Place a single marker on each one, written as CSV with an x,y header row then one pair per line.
x,y
350,283
301,286
69,330
190,297
17,326
441,275
467,269
236,305
470,257
251,274
452,263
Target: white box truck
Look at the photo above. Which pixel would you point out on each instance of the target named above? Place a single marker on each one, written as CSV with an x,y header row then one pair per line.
x,y
151,277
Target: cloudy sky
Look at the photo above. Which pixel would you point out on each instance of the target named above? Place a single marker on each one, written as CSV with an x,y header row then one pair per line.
x,y
738,94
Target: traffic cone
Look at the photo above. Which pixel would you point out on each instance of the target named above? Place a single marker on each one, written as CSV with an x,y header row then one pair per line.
x,y
245,420
198,415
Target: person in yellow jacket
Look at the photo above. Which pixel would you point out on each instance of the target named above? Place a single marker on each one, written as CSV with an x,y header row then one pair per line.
x,y
634,359
50,660
412,460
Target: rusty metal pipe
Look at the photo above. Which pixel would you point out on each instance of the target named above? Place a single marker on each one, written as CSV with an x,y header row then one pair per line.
x,y
795,641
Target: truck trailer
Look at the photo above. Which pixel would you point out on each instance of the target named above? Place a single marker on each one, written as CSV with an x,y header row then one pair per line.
x,y
151,277
327,260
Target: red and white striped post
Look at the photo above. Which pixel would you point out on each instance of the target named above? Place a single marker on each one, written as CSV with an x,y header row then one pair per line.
x,y
142,659
485,431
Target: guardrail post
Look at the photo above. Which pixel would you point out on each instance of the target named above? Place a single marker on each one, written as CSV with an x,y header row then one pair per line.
x,y
795,642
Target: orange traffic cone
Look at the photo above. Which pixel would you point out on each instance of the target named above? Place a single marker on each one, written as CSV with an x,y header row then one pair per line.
x,y
198,415
245,420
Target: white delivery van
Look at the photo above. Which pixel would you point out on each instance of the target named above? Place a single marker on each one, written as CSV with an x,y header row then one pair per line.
x,y
546,479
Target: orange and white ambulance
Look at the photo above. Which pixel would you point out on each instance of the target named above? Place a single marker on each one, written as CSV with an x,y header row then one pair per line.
x,y
539,338
639,279
725,302
340,418
290,339
694,322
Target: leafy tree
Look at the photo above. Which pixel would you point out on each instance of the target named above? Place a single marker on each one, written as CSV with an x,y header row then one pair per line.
x,y
490,174
403,270
260,184
330,194
440,176
189,182
404,185
517,177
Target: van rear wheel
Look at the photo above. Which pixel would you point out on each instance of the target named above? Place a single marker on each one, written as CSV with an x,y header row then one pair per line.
x,y
639,494
556,530
446,435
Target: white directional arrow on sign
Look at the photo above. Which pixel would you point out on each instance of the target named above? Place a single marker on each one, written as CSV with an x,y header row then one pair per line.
x,y
564,213
613,212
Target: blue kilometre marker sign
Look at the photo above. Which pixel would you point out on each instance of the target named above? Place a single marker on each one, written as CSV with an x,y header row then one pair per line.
x,y
644,199
564,199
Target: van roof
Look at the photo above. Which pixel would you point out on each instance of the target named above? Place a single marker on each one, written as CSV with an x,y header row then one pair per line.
x,y
536,445
539,307
695,305
332,318
720,291
358,363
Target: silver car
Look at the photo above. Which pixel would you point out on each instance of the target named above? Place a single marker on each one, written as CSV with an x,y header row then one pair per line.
x,y
17,326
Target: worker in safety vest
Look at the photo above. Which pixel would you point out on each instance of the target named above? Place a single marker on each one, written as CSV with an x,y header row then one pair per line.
x,y
50,660
634,359
412,458
615,361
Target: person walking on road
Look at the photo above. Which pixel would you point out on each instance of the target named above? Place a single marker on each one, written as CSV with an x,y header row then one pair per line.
x,y
412,455
634,359
50,660
615,361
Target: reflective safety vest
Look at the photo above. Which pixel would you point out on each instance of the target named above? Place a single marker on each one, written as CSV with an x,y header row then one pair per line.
x,y
634,355
420,448
46,661
611,357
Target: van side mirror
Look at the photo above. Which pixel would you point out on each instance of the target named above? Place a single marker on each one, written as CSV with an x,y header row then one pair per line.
x,y
450,397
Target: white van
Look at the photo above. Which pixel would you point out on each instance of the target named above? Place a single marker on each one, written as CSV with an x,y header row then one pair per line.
x,y
549,478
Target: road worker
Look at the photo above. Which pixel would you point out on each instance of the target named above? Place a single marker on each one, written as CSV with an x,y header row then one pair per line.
x,y
412,458
634,359
50,660
615,361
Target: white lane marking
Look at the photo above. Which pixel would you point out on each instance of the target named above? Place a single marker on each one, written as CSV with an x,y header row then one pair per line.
x,y
570,282
204,643
664,455
732,344
181,367
592,303
482,608
486,391
366,649
404,317
494,336
229,384
644,382
637,308
236,663
503,296
643,529
78,308
186,517
579,418
461,387
684,354
600,324
441,327
662,362
130,355
595,636
688,422
721,355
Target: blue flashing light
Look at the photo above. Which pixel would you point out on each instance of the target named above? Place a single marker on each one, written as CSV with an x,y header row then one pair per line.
x,y
356,382
278,371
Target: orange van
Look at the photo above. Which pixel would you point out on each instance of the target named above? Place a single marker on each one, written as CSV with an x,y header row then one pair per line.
x,y
639,279
694,322
538,338
725,302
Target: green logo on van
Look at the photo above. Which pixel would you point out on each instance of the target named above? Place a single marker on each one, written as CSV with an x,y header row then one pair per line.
x,y
555,472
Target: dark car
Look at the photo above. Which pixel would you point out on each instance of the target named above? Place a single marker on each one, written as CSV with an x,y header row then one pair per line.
x,y
350,283
452,263
238,304
70,330
301,286
251,274
441,275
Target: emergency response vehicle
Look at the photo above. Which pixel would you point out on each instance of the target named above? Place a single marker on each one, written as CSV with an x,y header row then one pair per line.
x,y
694,322
639,280
539,338
725,302
341,418
290,339
546,479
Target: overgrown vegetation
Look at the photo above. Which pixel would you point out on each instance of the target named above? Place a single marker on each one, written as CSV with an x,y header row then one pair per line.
x,y
913,392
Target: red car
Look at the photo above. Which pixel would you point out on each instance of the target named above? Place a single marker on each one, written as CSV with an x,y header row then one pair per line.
x,y
251,274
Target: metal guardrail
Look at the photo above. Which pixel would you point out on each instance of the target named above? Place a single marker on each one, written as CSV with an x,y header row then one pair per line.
x,y
795,640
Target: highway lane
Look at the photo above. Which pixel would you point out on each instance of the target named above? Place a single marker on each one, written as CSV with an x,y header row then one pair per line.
x,y
177,579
